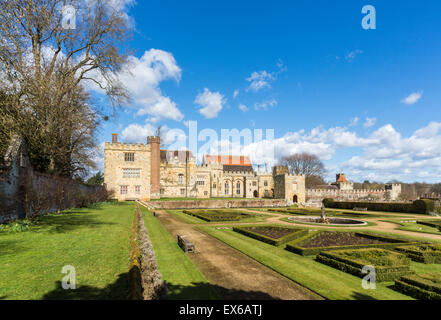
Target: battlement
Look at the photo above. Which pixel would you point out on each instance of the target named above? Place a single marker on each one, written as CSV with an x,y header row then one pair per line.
x,y
153,139
125,146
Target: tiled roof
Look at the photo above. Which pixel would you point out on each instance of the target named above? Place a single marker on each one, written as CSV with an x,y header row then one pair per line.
x,y
228,160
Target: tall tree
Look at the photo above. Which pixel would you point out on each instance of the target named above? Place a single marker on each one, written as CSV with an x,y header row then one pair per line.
x,y
45,66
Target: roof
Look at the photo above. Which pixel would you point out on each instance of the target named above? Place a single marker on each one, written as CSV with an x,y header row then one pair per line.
x,y
236,168
181,154
341,178
228,160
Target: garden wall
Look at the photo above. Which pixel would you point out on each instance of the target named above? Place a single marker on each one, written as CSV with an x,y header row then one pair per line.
x,y
24,191
217,204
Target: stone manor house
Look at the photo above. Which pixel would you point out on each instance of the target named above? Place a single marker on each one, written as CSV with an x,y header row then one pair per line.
x,y
144,171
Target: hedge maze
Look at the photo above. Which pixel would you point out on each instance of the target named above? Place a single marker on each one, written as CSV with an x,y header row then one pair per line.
x,y
218,215
422,286
388,265
272,234
315,242
423,253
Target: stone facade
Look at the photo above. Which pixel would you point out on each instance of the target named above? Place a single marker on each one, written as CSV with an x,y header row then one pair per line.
x,y
131,170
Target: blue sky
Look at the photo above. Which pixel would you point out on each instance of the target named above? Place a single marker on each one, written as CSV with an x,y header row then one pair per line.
x,y
306,69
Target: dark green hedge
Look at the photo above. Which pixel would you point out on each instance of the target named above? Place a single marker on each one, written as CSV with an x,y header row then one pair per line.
x,y
427,254
275,242
354,267
418,206
216,215
296,245
418,288
433,224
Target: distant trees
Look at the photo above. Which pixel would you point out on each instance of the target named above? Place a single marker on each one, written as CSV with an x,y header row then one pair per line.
x,y
44,68
307,164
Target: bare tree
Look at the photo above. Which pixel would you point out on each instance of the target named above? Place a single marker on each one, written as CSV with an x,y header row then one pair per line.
x,y
44,68
304,163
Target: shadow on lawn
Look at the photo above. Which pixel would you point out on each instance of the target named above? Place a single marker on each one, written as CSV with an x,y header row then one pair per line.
x,y
67,222
10,247
118,291
206,291
114,291
361,296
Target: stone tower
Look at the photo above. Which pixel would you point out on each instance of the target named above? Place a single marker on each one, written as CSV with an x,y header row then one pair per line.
x,y
155,143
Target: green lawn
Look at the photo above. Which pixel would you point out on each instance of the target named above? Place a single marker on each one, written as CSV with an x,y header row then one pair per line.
x,y
411,225
322,279
184,280
95,241
178,214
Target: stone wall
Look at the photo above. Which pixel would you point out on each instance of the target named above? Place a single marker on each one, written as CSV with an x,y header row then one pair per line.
x,y
216,204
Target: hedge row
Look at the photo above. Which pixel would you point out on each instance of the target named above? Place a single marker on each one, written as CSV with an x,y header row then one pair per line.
x,y
355,266
425,254
433,224
296,245
301,211
419,206
275,242
418,287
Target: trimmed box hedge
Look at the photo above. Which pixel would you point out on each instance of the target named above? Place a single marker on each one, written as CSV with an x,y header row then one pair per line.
x,y
419,206
431,223
388,265
422,286
428,254
297,233
296,245
217,215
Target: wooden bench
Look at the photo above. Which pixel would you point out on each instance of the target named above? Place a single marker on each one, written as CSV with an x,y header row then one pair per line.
x,y
185,244
360,209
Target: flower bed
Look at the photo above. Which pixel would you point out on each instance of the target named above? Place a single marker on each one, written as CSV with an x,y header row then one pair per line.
x,y
318,241
388,265
272,234
424,253
218,215
422,286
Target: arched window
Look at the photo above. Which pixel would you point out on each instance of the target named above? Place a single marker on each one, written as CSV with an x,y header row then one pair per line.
x,y
238,188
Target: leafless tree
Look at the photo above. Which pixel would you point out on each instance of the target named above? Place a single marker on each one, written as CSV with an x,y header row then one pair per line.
x,y
304,163
44,68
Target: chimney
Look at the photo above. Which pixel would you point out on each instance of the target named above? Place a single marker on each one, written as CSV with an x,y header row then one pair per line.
x,y
114,138
154,166
266,167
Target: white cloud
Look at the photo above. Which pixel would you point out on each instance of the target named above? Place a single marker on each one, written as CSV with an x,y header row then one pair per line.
x,y
354,122
412,98
235,94
369,122
260,80
351,55
142,77
243,108
211,103
265,104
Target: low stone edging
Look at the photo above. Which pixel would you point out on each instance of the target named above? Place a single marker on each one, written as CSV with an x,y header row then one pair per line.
x,y
145,280
217,204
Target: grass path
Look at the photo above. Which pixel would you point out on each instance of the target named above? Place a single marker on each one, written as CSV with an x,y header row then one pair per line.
x,y
324,280
184,280
95,241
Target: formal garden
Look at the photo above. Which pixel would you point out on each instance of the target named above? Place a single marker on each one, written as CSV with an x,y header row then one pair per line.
x,y
110,245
